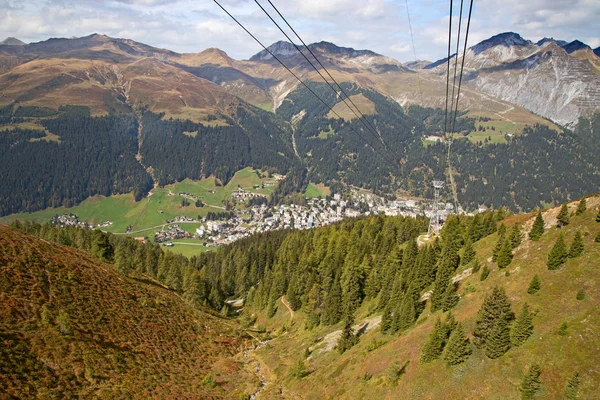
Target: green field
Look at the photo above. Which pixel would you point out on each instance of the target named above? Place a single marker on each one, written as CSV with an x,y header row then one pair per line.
x,y
326,134
316,190
151,213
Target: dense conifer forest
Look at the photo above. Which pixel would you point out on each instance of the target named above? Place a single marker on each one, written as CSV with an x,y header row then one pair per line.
x,y
97,155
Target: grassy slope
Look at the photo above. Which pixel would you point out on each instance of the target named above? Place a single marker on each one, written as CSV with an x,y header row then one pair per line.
x,y
340,376
122,210
317,190
130,337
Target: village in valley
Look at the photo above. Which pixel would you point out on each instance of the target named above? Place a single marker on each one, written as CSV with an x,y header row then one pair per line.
x,y
221,228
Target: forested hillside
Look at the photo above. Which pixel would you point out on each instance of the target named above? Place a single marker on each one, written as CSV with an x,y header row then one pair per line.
x,y
492,300
60,157
503,315
72,326
539,166
86,156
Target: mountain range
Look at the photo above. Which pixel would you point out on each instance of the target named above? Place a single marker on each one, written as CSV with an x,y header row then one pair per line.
x,y
108,68
201,114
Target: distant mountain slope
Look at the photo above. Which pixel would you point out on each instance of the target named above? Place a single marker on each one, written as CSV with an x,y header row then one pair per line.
x,y
12,41
71,326
557,80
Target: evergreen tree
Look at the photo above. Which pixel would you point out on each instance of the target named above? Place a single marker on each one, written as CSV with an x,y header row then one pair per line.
x,y
580,295
598,216
123,258
505,255
476,266
406,314
498,340
468,252
433,347
500,242
597,238
332,311
563,217
493,321
558,255
448,263
577,246
515,236
537,230
485,272
531,384
450,298
386,319
522,327
581,207
348,338
534,285
101,248
572,388
458,348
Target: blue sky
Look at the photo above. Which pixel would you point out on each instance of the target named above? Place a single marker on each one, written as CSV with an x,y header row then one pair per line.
x,y
378,25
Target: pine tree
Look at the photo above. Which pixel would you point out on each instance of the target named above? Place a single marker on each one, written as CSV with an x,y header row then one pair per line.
x,y
522,327
597,238
531,384
515,236
598,216
496,307
580,295
581,207
406,314
534,285
476,266
348,338
498,340
333,304
458,348
386,319
577,246
485,272
558,255
500,242
572,388
122,259
537,230
450,298
505,255
468,252
563,217
432,349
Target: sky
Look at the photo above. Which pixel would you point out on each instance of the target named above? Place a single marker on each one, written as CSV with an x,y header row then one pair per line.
x,y
189,26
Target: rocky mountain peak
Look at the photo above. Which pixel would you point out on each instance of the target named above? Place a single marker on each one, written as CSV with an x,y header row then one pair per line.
x,y
12,41
551,40
574,46
281,49
506,39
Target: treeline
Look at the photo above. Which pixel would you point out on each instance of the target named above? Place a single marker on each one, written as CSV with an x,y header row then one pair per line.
x,y
93,156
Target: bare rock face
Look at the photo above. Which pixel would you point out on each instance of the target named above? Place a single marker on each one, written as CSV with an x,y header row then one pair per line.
x,y
557,80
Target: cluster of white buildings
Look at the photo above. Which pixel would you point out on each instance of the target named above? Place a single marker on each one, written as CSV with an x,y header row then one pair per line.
x,y
317,212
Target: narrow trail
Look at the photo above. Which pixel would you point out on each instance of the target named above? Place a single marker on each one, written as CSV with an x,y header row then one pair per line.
x,y
287,305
